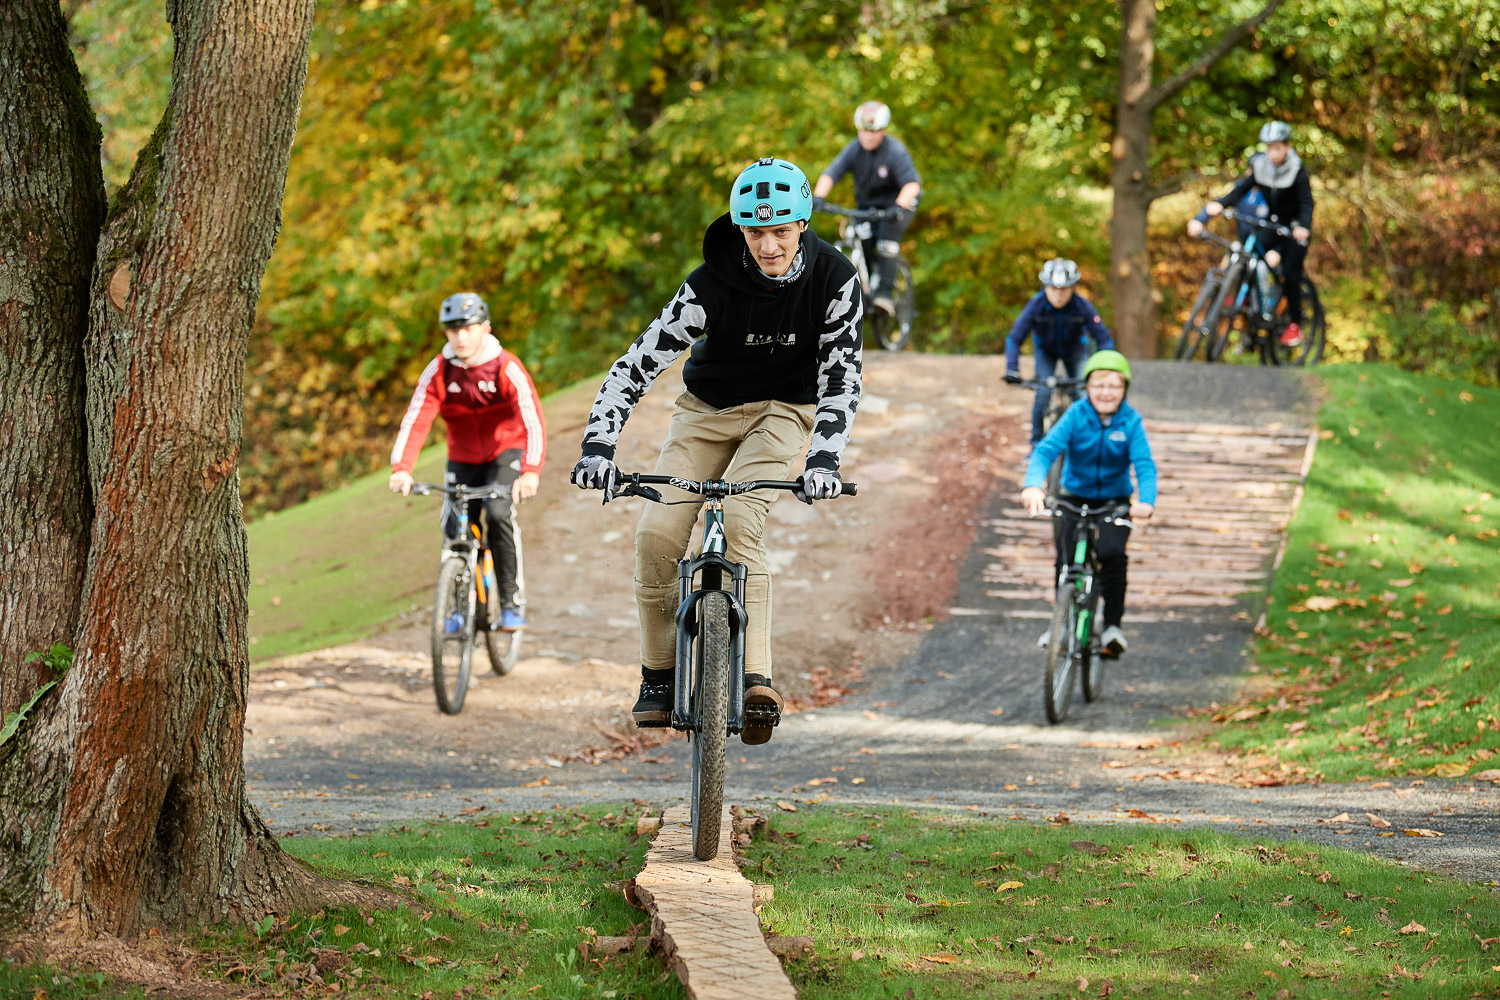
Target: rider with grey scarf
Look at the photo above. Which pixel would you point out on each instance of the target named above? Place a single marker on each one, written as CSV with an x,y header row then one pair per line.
x,y
1281,179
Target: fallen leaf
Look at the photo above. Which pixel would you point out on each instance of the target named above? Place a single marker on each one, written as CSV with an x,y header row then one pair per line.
x,y
1114,763
1088,847
1340,818
856,954
1451,769
1413,928
1138,814
997,711
785,806
857,781
1321,602
1006,886
1377,822
1083,985
1421,831
1249,946
1405,582
943,959
339,930
1493,774
1010,786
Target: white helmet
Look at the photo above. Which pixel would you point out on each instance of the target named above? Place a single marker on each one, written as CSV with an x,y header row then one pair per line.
x,y
1060,272
1275,132
872,116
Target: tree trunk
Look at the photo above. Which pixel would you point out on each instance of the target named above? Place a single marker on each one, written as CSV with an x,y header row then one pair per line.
x,y
144,819
1129,262
53,193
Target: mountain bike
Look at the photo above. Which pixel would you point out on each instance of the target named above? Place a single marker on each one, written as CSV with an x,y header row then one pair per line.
x,y
1073,645
710,681
466,604
1071,392
1242,297
892,332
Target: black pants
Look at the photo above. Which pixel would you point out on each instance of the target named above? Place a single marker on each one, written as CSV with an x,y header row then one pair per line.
x,y
1110,549
1292,256
882,249
500,515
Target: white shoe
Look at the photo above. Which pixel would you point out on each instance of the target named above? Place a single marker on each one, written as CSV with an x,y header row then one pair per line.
x,y
1045,640
1112,643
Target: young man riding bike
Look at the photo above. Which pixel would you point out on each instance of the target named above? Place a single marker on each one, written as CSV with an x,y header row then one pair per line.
x,y
773,320
1103,438
1280,178
884,175
1060,323
496,435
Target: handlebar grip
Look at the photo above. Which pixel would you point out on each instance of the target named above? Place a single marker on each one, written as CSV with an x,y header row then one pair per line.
x,y
849,489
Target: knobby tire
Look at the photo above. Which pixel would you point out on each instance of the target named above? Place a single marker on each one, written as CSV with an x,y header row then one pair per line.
x,y
452,652
1092,672
504,648
1058,684
711,708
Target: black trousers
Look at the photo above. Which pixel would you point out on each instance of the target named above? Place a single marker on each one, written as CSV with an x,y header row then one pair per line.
x,y
1110,582
1292,256
504,533
882,250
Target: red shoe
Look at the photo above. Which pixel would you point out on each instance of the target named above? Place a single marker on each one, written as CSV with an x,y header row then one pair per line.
x,y
1292,335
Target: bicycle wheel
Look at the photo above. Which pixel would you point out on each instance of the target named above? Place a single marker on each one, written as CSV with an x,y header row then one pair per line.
x,y
892,332
1058,689
452,634
504,648
1196,324
1091,670
711,710
1220,322
1310,348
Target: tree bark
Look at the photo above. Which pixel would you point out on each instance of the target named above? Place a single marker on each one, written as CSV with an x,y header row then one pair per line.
x,y
1135,300
53,197
144,821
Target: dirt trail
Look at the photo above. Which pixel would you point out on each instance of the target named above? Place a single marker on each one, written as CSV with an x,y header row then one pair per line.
x,y
850,578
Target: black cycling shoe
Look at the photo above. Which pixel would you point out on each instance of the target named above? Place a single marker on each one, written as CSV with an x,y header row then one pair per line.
x,y
762,710
653,709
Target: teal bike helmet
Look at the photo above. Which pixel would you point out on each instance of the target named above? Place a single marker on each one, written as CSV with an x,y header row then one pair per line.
x,y
770,191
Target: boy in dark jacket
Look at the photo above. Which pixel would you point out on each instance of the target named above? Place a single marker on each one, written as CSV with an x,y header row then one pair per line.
x,y
1282,181
1060,323
1103,438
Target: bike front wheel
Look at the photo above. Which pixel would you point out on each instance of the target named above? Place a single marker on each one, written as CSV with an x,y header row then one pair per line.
x,y
711,711
1058,688
1194,329
892,332
452,635
1091,663
1314,323
1219,325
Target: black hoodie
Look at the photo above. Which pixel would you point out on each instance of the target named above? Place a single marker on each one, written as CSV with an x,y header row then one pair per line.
x,y
752,340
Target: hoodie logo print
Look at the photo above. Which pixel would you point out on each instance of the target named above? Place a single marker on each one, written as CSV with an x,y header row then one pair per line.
x,y
753,339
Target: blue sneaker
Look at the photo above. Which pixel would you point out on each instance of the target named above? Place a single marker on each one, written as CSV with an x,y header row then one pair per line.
x,y
511,620
455,623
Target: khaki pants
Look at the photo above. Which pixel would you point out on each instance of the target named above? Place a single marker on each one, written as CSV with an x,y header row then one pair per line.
x,y
752,441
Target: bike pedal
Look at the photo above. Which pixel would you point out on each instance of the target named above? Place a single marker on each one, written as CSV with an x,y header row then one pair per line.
x,y
763,716
663,724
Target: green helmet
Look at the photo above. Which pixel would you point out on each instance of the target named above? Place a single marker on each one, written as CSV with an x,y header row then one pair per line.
x,y
1108,361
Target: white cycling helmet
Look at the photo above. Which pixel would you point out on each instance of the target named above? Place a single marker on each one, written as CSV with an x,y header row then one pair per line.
x,y
1060,272
1275,132
872,116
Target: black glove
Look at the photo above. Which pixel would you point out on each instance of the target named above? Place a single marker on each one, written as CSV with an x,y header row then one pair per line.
x,y
819,484
819,205
595,472
1013,377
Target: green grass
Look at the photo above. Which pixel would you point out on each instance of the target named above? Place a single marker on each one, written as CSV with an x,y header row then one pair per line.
x,y
497,908
935,904
348,563
42,982
1383,631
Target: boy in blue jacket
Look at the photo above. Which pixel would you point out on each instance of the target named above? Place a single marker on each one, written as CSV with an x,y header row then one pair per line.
x,y
1102,437
1060,323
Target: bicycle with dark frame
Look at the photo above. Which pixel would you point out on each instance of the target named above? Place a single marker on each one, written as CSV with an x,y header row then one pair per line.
x,y
710,671
466,604
892,330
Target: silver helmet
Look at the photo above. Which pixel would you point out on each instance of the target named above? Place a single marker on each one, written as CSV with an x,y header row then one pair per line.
x,y
1275,132
1060,272
463,309
872,116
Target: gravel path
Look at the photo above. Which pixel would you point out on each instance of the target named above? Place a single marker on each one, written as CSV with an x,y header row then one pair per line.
x,y
959,723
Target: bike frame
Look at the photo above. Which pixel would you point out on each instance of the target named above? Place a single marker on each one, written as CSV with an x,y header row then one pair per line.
x,y
709,567
1082,570
466,546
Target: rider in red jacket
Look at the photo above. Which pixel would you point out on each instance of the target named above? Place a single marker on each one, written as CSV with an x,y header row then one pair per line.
x,y
496,435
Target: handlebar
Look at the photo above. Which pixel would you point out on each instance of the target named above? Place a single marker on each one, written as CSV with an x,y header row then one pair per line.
x,y
461,493
1110,515
1230,214
863,214
1054,382
638,484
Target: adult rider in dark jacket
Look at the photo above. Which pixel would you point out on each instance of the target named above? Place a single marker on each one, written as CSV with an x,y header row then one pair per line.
x,y
1060,323
1281,179
773,320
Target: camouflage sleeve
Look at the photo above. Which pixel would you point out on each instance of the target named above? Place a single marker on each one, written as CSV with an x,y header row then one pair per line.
x,y
839,361
680,323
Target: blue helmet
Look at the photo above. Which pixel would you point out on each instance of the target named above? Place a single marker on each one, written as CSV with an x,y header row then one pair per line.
x,y
770,191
